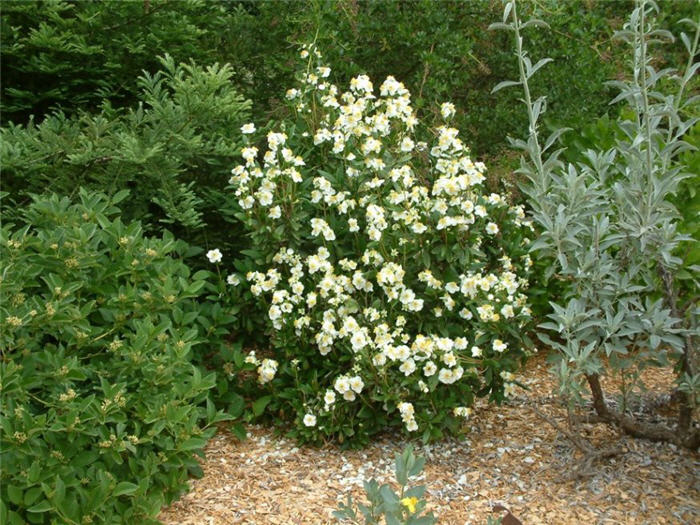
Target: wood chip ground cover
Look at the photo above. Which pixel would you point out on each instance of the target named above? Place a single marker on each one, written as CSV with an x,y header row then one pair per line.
x,y
510,457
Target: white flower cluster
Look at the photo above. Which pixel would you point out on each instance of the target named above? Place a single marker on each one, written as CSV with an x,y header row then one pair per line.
x,y
408,416
509,388
267,370
348,387
383,221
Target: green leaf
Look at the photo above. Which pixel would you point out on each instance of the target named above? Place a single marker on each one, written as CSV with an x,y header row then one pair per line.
x,y
260,404
388,495
236,406
120,196
193,443
31,495
391,520
239,431
59,493
44,506
417,467
124,489
15,494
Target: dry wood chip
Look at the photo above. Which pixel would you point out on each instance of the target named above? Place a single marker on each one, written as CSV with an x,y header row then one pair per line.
x,y
511,458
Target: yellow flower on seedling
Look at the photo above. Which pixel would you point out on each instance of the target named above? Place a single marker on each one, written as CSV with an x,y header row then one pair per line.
x,y
410,504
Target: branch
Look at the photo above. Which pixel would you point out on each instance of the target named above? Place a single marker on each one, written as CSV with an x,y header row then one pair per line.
x,y
590,454
635,428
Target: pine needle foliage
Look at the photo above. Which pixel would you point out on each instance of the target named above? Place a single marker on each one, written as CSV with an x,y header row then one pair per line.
x,y
170,150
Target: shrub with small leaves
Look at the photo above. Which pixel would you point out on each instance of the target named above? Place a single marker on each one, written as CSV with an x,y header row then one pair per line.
x,y
103,411
392,283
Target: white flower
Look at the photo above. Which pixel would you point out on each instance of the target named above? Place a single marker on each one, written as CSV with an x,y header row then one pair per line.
x,y
357,384
507,376
274,140
249,154
407,145
275,213
447,110
310,420
465,314
408,367
342,385
214,256
358,341
233,280
499,346
379,359
412,426
462,412
492,228
264,197
507,311
449,359
445,376
267,371
429,369
248,128
247,203
406,410
476,351
329,398
361,83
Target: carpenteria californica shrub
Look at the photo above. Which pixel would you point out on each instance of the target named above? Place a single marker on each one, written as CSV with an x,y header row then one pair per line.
x,y
103,413
393,286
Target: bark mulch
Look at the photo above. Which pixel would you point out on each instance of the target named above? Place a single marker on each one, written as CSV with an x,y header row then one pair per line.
x,y
510,457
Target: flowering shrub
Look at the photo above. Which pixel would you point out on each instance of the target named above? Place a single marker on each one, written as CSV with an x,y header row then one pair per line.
x,y
391,283
103,412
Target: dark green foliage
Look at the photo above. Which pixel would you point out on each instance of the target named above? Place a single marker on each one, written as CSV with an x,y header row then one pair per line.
x,y
103,411
77,54
441,51
73,54
173,150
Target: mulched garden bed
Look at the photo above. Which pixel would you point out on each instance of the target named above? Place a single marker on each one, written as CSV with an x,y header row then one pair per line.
x,y
510,457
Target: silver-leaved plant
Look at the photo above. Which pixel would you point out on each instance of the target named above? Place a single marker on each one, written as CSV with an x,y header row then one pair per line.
x,y
610,228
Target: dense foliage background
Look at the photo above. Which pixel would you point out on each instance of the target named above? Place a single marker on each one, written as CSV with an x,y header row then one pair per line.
x,y
75,55
119,125
149,95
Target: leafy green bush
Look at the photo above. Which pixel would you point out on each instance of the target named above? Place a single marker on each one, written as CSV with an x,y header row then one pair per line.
x,y
103,411
611,230
171,150
392,283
